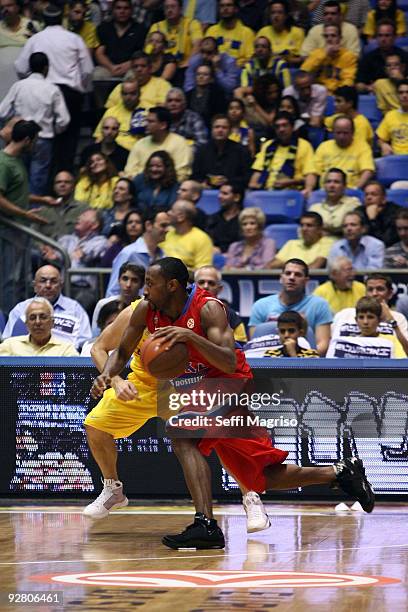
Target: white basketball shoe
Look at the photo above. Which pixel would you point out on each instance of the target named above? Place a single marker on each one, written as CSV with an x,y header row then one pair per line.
x,y
111,498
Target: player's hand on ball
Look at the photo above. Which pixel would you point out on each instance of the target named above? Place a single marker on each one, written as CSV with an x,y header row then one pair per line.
x,y
100,384
124,389
173,334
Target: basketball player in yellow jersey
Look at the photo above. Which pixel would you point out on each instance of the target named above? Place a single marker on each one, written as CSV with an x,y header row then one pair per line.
x,y
118,414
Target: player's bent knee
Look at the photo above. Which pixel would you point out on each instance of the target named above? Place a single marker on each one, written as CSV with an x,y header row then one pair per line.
x,y
96,435
182,445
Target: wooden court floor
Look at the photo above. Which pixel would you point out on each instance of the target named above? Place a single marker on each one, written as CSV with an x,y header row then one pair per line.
x,y
311,559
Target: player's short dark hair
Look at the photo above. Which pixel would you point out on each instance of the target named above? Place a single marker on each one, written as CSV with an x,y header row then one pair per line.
x,y
379,276
369,304
128,266
173,268
38,62
162,113
350,94
313,215
24,129
292,317
297,262
338,171
106,311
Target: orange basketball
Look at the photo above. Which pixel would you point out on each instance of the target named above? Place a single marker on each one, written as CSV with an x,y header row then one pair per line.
x,y
161,363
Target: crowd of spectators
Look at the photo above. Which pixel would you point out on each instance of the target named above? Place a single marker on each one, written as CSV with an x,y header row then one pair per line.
x,y
118,118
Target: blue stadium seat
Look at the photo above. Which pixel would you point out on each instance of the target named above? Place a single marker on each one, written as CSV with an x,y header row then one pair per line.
x,y
281,233
218,261
402,41
271,327
19,328
316,136
367,106
278,206
392,168
398,196
330,110
319,194
209,201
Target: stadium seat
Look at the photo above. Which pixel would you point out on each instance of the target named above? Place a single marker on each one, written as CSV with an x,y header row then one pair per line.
x,y
209,201
402,41
391,168
367,106
218,261
330,109
319,194
281,233
278,206
398,196
19,328
316,136
271,327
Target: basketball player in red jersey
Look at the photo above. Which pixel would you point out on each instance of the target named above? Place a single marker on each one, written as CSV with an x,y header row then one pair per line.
x,y
199,320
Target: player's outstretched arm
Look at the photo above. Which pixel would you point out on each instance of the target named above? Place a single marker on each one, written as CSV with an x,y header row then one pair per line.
x,y
219,346
118,359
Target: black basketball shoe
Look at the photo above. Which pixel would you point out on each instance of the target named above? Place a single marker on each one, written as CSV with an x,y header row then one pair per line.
x,y
351,478
204,533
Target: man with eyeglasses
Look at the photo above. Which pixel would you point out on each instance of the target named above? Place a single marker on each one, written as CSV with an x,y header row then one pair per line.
x,y
225,67
70,323
40,341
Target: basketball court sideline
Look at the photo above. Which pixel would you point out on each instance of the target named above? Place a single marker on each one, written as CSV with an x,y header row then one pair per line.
x,y
311,558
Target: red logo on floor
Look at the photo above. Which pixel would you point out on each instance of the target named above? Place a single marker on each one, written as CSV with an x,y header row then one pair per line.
x,y
215,579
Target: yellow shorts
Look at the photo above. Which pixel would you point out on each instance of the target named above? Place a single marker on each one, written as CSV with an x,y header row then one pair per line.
x,y
121,419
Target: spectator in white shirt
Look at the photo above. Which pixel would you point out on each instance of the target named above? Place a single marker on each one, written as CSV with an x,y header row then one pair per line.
x,y
36,99
70,68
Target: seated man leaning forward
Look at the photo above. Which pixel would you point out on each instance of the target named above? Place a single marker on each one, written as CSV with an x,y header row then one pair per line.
x,y
39,316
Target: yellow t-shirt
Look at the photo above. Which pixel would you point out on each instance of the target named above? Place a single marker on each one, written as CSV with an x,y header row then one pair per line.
x,y
180,38
303,158
286,42
152,94
386,95
362,127
333,215
370,24
332,72
96,196
20,346
175,145
195,249
297,249
88,34
238,42
394,129
399,352
353,160
338,299
123,115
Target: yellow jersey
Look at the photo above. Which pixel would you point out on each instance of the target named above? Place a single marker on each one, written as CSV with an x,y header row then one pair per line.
x,y
180,38
394,129
362,127
152,94
238,42
353,160
284,43
332,72
96,196
386,95
303,158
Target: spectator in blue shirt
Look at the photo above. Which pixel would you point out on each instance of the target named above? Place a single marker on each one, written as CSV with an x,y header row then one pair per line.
x,y
316,311
365,252
225,68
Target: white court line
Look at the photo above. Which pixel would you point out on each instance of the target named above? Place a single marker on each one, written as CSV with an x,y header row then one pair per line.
x,y
221,555
176,512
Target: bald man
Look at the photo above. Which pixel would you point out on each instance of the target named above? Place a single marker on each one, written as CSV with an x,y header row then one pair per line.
x,y
71,323
118,155
190,244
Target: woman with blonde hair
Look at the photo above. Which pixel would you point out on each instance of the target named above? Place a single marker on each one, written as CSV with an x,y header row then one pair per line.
x,y
98,180
254,251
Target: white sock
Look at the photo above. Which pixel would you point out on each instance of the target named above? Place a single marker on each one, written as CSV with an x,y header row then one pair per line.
x,y
111,482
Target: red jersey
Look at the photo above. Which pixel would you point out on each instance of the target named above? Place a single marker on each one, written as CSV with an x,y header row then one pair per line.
x,y
191,319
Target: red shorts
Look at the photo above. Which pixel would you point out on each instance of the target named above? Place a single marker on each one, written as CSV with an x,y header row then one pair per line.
x,y
245,458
